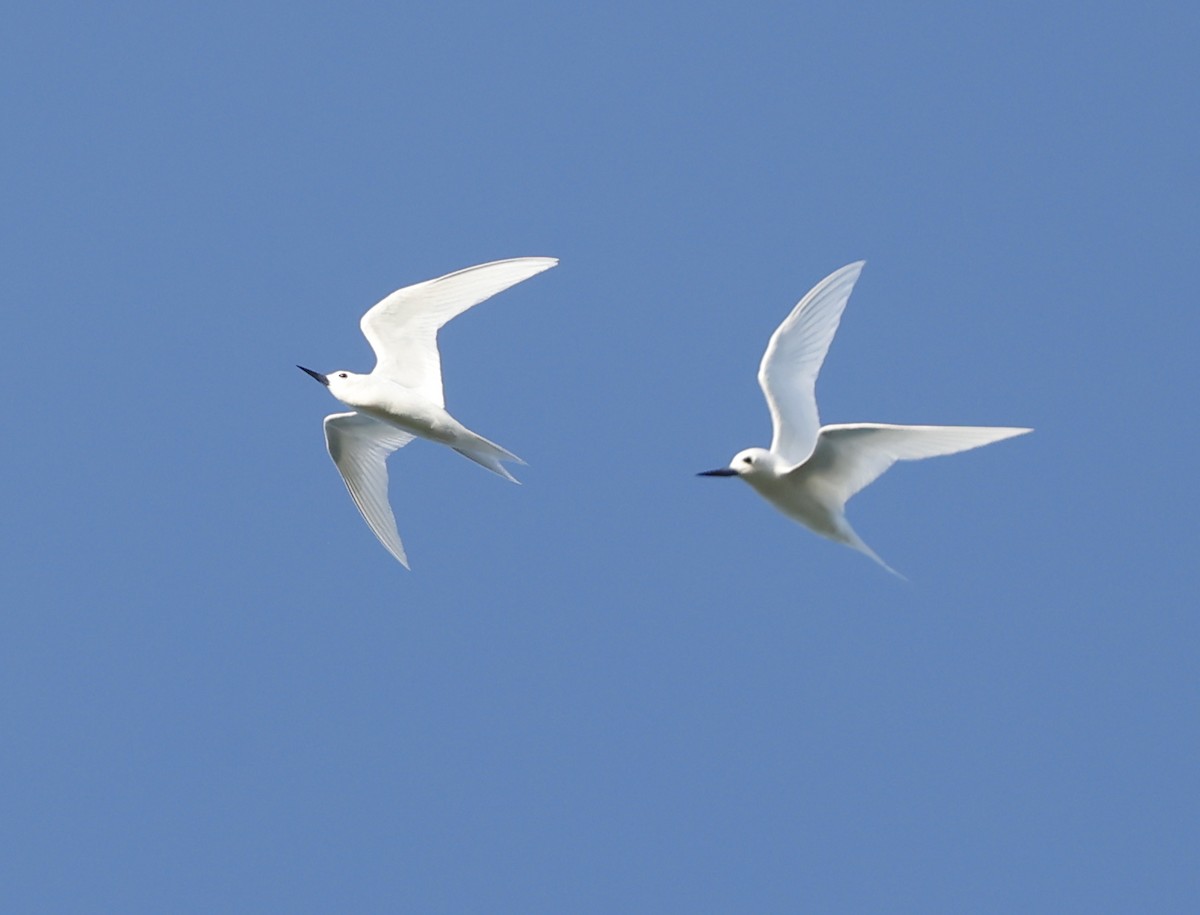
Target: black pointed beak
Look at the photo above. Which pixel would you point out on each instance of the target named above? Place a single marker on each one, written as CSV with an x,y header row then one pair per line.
x,y
317,375
719,472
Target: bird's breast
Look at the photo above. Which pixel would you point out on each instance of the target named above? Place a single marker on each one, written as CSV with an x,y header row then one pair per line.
x,y
403,408
800,498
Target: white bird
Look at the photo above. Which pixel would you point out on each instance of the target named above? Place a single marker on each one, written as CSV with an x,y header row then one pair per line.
x,y
810,470
401,399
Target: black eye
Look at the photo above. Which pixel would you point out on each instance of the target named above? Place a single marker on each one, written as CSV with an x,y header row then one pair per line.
x,y
748,460
341,374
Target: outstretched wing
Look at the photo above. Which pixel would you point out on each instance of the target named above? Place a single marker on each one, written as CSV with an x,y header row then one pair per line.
x,y
788,372
850,457
402,329
359,446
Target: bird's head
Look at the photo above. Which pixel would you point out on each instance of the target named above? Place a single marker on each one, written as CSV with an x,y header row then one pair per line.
x,y
749,463
340,383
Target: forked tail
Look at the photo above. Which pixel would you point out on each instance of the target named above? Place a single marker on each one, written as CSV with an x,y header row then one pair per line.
x,y
489,454
838,529
853,540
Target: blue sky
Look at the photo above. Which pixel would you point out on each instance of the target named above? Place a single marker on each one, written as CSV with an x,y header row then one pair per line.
x,y
617,687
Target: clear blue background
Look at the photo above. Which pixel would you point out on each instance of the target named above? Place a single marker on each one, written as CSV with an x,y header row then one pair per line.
x,y
617,687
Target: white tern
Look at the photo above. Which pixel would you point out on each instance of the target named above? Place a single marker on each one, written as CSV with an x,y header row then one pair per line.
x,y
401,399
811,471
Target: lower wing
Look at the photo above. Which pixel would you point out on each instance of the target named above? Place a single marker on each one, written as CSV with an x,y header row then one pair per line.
x,y
359,446
850,457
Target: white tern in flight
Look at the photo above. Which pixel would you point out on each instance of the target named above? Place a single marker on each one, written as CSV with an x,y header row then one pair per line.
x,y
810,470
402,397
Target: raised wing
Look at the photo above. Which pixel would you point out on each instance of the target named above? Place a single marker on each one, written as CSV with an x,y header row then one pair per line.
x,y
359,446
850,457
788,372
402,329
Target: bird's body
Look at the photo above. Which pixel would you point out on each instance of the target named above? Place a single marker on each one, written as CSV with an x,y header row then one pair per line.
x,y
799,493
811,471
402,399
401,407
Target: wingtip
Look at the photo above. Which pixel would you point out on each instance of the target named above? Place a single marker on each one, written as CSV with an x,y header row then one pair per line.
x,y
543,261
